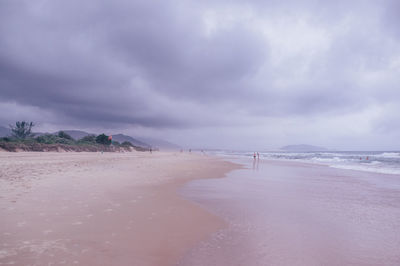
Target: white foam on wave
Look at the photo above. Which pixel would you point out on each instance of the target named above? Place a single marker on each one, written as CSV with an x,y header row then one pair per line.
x,y
380,170
328,160
389,155
375,163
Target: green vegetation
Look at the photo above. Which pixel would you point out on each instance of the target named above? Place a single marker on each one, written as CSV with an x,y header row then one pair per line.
x,y
52,139
63,135
127,144
116,143
89,139
23,139
103,139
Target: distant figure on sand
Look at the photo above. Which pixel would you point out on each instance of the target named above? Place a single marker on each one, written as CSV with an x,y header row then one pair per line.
x,y
254,155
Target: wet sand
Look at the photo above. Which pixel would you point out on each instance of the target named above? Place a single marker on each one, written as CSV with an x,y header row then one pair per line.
x,y
101,209
288,213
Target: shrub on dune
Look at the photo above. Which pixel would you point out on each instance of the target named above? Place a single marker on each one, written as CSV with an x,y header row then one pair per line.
x,y
127,144
103,139
53,139
63,135
89,139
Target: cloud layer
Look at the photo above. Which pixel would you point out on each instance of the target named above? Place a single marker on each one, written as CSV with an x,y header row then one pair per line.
x,y
270,71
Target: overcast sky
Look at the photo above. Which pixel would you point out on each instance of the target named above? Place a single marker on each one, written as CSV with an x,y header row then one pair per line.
x,y
212,74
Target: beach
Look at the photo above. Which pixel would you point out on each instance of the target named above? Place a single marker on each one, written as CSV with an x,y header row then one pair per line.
x,y
200,133
73,208
189,209
282,212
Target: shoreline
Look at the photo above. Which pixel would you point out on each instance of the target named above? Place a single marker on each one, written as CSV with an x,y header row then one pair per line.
x,y
102,209
293,213
300,161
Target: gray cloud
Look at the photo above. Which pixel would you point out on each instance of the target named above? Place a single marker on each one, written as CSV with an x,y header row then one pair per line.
x,y
193,66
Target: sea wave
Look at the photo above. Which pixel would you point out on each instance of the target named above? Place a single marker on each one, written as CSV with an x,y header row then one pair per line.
x,y
388,155
378,162
381,170
328,160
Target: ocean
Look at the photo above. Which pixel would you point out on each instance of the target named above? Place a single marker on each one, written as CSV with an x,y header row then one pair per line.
x,y
384,162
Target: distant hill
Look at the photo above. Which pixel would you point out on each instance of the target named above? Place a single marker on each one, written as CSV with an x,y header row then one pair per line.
x,y
160,144
303,148
121,138
76,134
4,131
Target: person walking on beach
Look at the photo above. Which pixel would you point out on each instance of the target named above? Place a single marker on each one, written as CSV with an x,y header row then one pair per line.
x,y
254,155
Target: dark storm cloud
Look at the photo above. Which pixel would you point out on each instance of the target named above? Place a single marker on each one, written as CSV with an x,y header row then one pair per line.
x,y
80,59
184,63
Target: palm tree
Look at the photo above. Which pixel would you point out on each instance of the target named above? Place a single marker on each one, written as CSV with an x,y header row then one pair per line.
x,y
22,129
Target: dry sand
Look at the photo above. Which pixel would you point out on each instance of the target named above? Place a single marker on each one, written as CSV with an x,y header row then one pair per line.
x,y
101,209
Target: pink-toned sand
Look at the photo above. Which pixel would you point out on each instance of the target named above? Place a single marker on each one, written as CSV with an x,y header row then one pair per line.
x,y
101,209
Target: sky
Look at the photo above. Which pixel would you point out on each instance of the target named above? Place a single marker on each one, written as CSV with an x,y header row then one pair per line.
x,y
206,74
